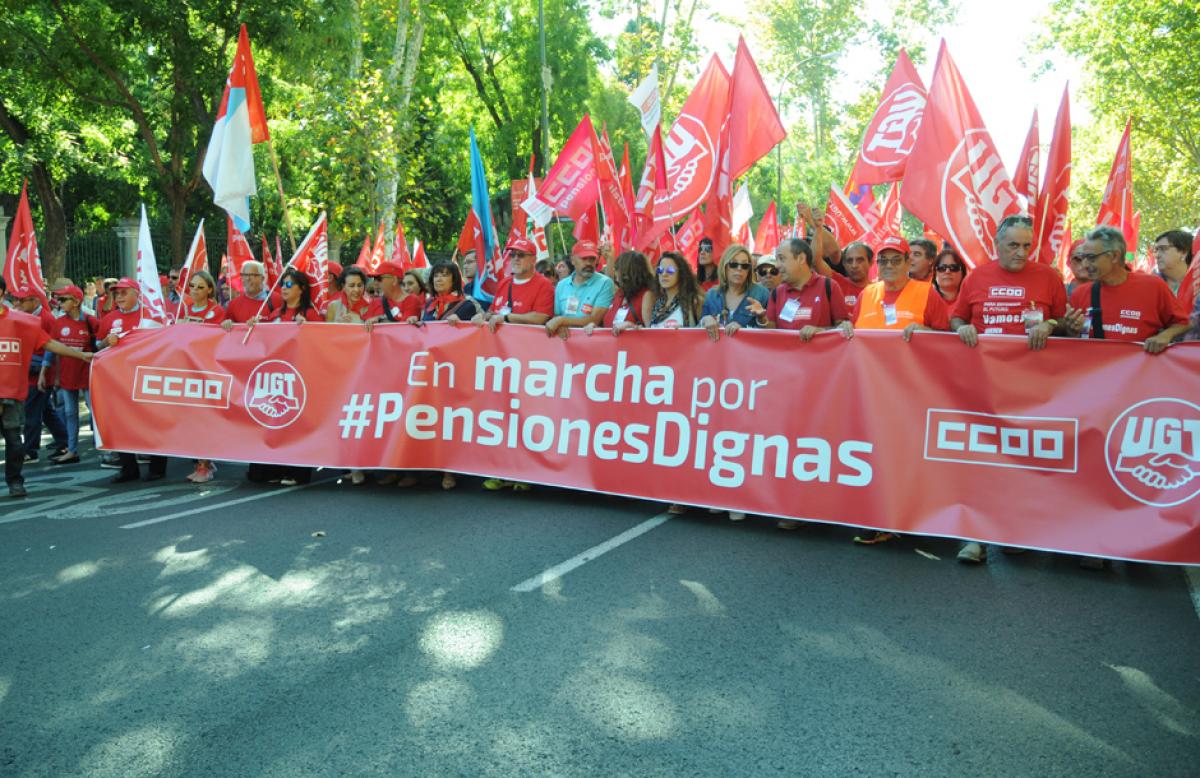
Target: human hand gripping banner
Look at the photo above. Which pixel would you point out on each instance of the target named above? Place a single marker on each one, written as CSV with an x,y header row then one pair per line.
x,y
1085,447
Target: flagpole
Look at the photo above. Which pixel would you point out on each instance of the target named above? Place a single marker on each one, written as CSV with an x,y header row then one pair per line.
x,y
561,241
287,222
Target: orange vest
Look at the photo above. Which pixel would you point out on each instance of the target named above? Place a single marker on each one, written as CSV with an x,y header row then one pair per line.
x,y
910,306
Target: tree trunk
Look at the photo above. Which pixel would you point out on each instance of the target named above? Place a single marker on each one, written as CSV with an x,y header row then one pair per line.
x,y
406,54
52,245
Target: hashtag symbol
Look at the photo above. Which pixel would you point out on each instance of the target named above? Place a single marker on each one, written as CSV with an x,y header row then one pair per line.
x,y
357,415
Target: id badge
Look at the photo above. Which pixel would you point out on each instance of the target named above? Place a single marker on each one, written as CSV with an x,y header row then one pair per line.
x,y
889,314
621,315
1032,317
503,310
788,313
572,308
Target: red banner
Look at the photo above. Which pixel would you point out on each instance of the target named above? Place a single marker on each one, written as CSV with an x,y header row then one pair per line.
x,y
673,417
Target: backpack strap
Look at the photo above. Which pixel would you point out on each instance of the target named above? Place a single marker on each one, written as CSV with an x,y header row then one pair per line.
x,y
1097,316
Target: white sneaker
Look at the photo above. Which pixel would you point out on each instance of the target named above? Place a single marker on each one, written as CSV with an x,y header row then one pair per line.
x,y
737,516
972,553
357,477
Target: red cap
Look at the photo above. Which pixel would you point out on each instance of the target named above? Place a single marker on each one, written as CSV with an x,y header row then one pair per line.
x,y
585,248
1076,244
127,283
895,243
522,246
388,269
70,291
335,268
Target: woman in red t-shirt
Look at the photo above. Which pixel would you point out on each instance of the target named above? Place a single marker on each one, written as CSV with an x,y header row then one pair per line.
x,y
296,293
949,272
69,376
352,305
634,295
203,307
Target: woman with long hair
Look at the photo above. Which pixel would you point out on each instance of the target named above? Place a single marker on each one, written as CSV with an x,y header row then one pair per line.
x,y
679,302
448,302
634,296
949,272
727,306
202,306
352,304
296,292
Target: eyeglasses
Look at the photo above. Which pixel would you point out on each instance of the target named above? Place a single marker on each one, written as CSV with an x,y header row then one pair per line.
x,y
949,268
62,299
667,270
768,270
891,261
1090,257
288,284
251,275
738,266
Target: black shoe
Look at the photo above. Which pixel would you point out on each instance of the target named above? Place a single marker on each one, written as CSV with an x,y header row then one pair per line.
x,y
17,490
154,476
66,458
124,477
58,451
31,456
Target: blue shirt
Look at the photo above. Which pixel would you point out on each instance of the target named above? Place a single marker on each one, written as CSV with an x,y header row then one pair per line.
x,y
581,300
714,305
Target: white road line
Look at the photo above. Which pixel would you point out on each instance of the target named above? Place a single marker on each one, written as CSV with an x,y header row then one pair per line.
x,y
1193,579
559,570
226,504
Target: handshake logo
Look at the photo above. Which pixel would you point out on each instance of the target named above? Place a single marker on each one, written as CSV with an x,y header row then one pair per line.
x,y
1153,452
275,394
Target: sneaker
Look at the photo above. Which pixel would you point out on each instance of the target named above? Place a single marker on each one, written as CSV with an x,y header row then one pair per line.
x,y
31,456
357,477
202,474
972,553
287,482
67,458
675,509
17,490
110,460
874,537
496,484
520,486
737,516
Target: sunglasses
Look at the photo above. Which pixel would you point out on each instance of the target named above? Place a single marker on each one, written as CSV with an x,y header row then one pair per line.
x,y
62,299
768,270
288,284
667,269
890,261
738,266
949,268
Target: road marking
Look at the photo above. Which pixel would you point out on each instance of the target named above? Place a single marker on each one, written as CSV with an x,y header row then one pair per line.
x,y
1193,579
226,504
559,570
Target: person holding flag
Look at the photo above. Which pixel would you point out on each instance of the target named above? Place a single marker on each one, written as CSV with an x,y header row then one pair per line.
x,y
297,300
41,407
401,295
202,306
68,378
254,297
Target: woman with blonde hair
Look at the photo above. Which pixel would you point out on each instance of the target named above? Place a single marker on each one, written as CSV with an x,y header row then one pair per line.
x,y
727,306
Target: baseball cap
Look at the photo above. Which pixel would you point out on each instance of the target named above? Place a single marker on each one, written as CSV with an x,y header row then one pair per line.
x,y
388,269
768,259
127,283
522,246
895,243
335,268
70,290
585,248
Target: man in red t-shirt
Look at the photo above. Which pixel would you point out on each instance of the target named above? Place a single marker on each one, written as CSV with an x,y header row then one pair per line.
x,y
1121,305
20,336
41,407
1011,296
804,301
525,297
248,304
856,261
68,378
398,308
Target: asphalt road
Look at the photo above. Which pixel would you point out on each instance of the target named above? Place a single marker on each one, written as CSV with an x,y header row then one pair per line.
x,y
232,641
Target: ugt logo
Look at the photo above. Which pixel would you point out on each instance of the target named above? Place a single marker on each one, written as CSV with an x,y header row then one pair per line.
x,y
1153,451
275,394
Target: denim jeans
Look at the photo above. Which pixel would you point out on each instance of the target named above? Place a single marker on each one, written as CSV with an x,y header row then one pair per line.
x,y
68,401
39,408
12,422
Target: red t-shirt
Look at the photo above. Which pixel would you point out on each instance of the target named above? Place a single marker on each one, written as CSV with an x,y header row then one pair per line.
x,y
289,315
535,295
632,310
850,290
209,314
412,305
20,336
1139,307
937,313
71,373
243,308
995,299
118,322
793,309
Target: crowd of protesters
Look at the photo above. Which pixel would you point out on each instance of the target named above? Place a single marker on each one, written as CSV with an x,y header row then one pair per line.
x,y
807,287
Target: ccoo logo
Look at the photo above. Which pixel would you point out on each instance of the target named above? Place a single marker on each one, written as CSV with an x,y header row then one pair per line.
x,y
1153,451
275,394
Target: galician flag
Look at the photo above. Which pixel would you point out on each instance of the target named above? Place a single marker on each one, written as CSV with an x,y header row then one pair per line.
x,y
241,122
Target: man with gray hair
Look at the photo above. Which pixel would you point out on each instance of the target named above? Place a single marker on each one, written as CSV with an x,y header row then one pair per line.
x,y
248,304
1120,305
1011,296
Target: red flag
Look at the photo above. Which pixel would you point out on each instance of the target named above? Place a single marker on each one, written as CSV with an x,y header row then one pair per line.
x,y
570,186
471,236
1116,206
1028,172
892,132
653,210
617,219
364,254
239,253
312,259
378,252
1050,217
1189,287
754,124
862,197
767,237
889,218
400,253
718,209
271,264
23,266
1064,253
692,147
843,218
587,226
197,260
687,239
419,259
954,180
626,176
